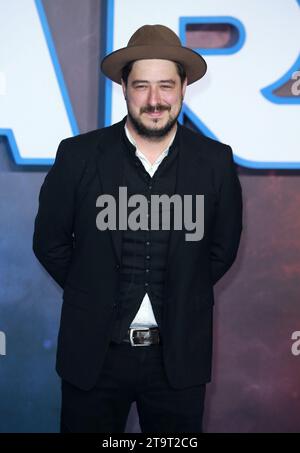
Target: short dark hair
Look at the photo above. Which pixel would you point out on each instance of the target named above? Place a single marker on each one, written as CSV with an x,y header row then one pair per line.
x,y
128,67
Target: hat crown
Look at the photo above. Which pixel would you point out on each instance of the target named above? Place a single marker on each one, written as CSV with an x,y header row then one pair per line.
x,y
154,35
154,42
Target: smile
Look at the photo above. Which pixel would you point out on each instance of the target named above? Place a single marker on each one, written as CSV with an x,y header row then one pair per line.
x,y
155,114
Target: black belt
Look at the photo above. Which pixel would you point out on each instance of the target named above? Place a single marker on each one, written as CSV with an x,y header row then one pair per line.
x,y
143,336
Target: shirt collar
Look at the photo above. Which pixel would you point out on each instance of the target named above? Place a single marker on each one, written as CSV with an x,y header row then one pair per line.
x,y
140,154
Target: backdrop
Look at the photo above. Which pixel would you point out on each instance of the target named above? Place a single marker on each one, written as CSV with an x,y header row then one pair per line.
x,y
256,372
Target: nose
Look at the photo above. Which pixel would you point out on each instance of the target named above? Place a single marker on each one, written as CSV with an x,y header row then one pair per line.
x,y
154,95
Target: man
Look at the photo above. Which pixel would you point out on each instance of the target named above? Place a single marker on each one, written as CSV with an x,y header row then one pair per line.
x,y
136,322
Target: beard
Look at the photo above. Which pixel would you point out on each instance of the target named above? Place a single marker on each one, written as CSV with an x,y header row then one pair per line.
x,y
153,133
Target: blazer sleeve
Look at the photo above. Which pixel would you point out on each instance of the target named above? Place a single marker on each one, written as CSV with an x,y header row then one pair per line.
x,y
53,228
228,222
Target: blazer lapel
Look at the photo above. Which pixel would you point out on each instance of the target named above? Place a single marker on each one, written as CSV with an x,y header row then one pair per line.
x,y
187,176
110,170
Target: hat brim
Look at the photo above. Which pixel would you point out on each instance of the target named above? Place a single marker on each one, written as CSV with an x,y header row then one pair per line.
x,y
193,63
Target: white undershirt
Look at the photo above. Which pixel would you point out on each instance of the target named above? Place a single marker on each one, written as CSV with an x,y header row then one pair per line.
x,y
145,316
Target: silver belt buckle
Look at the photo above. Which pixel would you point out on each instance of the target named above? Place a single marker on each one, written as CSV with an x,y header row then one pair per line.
x,y
131,337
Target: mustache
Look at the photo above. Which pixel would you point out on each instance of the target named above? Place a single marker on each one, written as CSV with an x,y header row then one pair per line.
x,y
155,108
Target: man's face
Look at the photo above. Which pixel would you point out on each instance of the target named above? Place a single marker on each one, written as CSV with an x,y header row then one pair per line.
x,y
154,96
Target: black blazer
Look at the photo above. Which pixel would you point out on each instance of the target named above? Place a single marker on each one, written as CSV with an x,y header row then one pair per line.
x,y
85,261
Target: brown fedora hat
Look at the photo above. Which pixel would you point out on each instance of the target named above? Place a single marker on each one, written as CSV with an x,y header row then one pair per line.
x,y
154,41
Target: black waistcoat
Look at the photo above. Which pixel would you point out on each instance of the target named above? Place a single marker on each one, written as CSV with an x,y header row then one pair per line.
x,y
144,252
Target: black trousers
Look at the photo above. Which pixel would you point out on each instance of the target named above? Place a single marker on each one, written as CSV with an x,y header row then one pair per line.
x,y
132,374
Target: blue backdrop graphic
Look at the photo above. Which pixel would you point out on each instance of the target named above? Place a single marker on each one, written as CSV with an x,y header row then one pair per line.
x,y
256,378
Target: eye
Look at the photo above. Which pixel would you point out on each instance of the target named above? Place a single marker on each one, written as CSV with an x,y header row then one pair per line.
x,y
166,87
